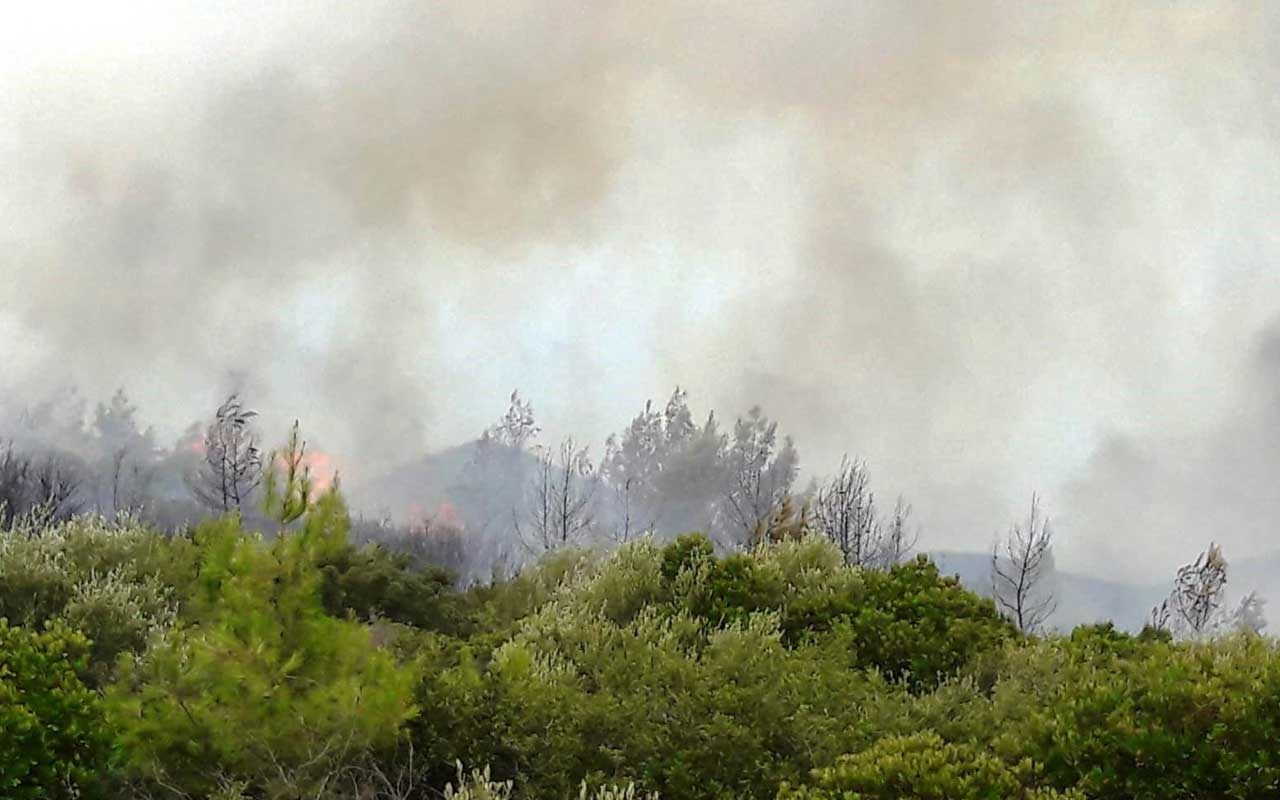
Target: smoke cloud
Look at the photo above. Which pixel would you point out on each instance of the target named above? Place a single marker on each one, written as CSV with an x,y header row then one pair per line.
x,y
989,247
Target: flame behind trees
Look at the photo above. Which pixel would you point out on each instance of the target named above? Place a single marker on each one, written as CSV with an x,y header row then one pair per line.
x,y
232,466
287,485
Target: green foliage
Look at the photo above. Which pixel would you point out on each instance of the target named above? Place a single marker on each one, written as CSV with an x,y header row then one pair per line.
x,y
1156,721
912,622
259,685
373,583
698,677
908,622
233,667
118,583
686,553
921,767
286,481
52,738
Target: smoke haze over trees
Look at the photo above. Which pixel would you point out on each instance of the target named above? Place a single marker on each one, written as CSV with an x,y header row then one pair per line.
x,y
618,400
988,247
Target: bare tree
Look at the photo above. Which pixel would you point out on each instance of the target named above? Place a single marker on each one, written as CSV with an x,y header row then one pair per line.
x,y
844,511
56,482
899,536
559,508
516,428
1193,607
117,476
232,466
130,481
49,487
15,470
1020,576
760,473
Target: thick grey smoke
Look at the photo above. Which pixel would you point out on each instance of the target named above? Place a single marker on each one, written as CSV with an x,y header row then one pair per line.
x,y
989,247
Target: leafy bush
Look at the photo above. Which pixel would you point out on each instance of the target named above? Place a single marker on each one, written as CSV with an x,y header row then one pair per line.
x,y
117,583
52,738
675,670
237,668
922,767
908,622
1160,721
260,686
371,582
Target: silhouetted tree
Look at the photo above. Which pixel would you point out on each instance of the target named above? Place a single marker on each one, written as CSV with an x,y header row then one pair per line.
x,y
516,428
899,536
844,511
1249,617
558,509
232,466
632,467
1020,577
57,480
1194,605
125,456
759,474
15,469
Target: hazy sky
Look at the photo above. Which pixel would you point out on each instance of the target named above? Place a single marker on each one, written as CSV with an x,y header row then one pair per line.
x,y
990,247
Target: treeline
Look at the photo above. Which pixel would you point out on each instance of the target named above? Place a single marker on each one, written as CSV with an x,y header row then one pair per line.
x,y
507,497
222,663
515,496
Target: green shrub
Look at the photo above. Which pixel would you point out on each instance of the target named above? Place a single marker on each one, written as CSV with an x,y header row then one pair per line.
x,y
52,737
1159,721
908,622
921,767
260,686
370,582
669,668
119,584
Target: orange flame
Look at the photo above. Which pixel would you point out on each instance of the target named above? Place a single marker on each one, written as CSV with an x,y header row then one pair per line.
x,y
319,465
446,516
323,470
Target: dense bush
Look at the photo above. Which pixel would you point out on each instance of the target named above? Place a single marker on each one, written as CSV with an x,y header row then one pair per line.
x,y
923,767
701,677
223,664
117,583
260,688
53,740
371,583
1158,721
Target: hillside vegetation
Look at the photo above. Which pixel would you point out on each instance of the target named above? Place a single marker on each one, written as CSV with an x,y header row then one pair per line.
x,y
221,664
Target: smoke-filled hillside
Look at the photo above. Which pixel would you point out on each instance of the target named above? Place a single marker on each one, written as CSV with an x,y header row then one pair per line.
x,y
898,408
990,247
488,507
